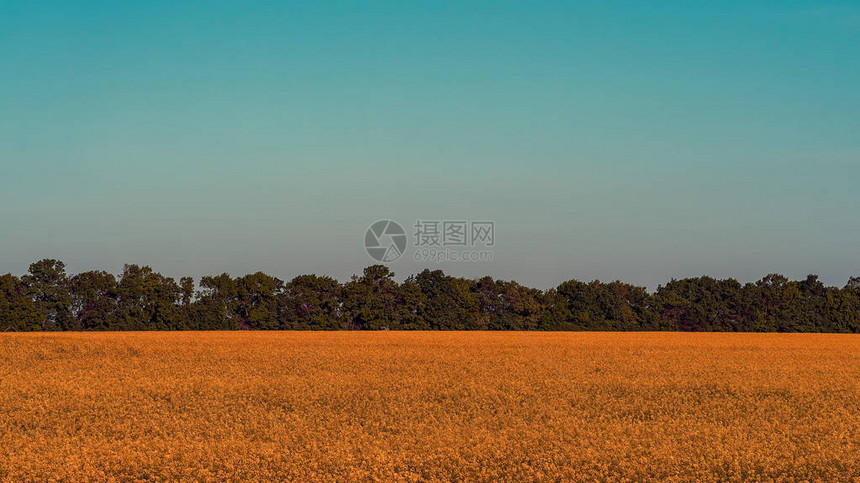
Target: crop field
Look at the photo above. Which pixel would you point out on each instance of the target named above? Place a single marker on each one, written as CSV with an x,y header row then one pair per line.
x,y
429,406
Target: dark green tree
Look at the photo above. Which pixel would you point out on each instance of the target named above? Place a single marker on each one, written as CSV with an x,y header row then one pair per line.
x,y
602,306
312,302
95,296
257,301
449,301
701,304
506,305
216,305
48,299
49,286
148,301
373,300
186,285
555,312
18,311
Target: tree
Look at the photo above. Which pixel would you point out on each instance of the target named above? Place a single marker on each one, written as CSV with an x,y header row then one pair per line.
x,y
48,285
449,301
18,311
186,285
413,306
46,298
148,301
95,297
845,313
773,300
257,302
216,305
601,306
312,302
506,305
373,300
555,312
701,304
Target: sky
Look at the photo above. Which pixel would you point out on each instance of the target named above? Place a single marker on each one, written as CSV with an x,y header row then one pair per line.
x,y
638,141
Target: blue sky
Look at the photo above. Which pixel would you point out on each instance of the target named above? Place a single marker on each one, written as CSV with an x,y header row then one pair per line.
x,y
605,139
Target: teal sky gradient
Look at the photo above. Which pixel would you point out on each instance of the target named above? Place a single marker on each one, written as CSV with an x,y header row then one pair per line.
x,y
605,139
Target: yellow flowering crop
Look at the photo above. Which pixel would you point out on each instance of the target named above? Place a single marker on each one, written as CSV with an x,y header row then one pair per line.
x,y
429,406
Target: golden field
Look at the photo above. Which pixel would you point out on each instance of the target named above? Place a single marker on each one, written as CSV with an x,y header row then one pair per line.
x,y
429,406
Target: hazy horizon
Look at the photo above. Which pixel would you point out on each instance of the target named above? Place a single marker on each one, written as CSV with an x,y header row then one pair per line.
x,y
605,141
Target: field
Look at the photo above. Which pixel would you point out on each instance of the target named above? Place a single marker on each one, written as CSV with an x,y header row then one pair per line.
x,y
419,406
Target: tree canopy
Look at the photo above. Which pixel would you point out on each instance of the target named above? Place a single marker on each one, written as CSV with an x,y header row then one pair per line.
x,y
47,298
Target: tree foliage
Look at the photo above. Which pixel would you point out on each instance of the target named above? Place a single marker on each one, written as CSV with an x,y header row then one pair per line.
x,y
46,298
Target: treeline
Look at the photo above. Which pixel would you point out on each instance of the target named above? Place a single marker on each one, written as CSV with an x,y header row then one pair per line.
x,y
47,298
